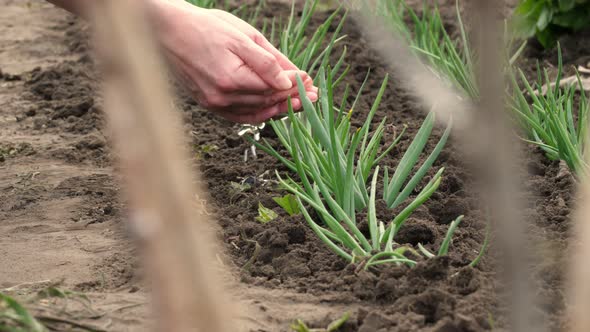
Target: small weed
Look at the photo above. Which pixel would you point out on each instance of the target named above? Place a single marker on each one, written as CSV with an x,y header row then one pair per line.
x,y
237,188
289,204
205,151
300,326
10,150
265,214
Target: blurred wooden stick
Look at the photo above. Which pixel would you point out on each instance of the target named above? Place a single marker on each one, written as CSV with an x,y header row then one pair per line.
x,y
484,135
175,241
579,286
496,159
578,292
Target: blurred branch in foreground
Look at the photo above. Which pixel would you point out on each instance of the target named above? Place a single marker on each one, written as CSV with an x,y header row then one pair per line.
x,y
175,240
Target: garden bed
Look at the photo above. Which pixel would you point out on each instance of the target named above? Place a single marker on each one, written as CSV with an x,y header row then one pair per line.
x,y
440,294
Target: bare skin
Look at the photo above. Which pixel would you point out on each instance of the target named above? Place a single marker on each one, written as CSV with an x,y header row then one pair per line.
x,y
228,65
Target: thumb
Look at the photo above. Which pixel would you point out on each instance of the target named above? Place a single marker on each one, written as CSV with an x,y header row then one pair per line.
x,y
264,64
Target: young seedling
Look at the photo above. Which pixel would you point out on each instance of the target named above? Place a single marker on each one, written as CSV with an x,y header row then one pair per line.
x,y
265,214
237,188
207,150
300,326
444,247
288,203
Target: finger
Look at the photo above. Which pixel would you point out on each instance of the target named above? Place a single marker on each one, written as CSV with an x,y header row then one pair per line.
x,y
259,101
245,80
313,96
239,99
247,98
257,115
216,99
281,58
250,115
305,78
264,64
244,103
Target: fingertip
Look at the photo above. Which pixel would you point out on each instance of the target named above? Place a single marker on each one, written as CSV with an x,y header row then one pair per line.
x,y
283,82
312,96
296,103
265,114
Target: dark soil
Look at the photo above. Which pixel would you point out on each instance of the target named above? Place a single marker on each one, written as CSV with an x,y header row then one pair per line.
x,y
441,294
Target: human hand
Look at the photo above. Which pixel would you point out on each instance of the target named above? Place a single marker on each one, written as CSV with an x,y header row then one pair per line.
x,y
227,64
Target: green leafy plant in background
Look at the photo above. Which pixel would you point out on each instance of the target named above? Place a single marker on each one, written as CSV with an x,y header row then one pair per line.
x,y
555,119
450,58
334,163
547,19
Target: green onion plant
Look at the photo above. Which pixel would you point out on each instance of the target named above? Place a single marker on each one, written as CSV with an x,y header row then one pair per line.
x,y
427,36
555,118
451,59
444,247
334,163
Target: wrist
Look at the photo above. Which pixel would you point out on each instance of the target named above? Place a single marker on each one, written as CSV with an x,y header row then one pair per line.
x,y
171,19
166,15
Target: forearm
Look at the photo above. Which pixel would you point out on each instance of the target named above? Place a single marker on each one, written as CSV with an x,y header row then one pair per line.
x,y
82,7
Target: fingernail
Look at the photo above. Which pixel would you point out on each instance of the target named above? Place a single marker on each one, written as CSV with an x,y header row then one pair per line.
x,y
296,103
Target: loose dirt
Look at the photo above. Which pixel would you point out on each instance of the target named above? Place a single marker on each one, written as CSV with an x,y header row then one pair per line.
x,y
62,219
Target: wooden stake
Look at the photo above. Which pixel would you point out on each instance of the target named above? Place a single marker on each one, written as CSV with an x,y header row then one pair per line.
x,y
578,292
176,242
484,135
